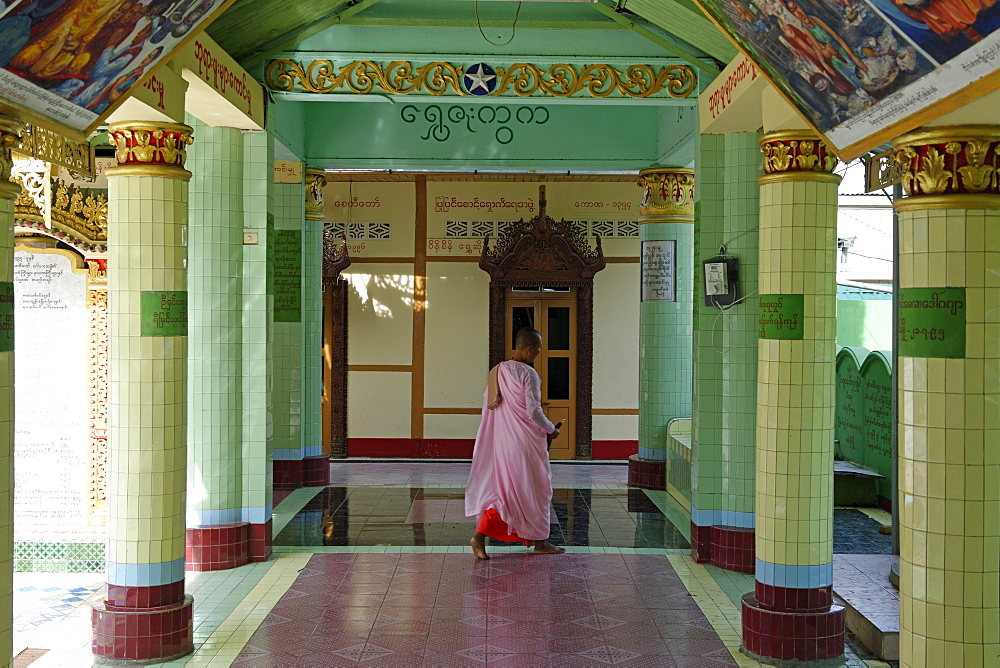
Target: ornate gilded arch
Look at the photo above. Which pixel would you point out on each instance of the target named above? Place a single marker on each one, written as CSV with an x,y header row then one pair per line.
x,y
549,254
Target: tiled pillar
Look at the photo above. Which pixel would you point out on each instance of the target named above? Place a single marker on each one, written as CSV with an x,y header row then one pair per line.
x,y
949,396
791,615
724,410
666,231
9,131
315,462
146,614
285,258
258,320
217,535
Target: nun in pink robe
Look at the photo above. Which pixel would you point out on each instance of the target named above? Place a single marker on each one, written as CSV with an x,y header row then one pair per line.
x,y
510,485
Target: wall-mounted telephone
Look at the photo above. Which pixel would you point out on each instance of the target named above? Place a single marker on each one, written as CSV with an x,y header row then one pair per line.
x,y
721,281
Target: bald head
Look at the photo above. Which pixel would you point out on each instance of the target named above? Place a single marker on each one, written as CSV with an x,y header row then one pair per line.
x,y
526,336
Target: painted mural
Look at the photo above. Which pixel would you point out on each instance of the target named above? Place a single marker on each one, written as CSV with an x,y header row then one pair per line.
x,y
72,61
855,67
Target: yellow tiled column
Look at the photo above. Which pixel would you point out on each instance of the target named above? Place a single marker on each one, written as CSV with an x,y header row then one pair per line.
x,y
790,615
949,396
146,615
9,131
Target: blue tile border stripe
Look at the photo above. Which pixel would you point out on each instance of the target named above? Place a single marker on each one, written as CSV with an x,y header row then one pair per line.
x,y
257,515
213,517
312,450
288,454
722,518
796,577
145,575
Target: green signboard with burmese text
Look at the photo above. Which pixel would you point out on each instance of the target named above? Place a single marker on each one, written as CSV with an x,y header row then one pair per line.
x,y
780,317
164,313
932,322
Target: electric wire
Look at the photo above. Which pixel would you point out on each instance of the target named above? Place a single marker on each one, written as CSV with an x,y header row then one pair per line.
x,y
513,27
723,312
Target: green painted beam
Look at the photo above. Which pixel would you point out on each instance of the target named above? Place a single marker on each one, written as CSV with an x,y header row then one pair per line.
x,y
297,36
386,22
247,24
675,16
656,39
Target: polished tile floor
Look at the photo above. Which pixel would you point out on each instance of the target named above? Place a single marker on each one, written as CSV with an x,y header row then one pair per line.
x,y
375,570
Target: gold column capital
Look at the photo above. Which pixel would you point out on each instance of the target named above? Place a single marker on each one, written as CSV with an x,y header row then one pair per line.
x,y
950,167
145,148
315,182
10,135
796,155
668,195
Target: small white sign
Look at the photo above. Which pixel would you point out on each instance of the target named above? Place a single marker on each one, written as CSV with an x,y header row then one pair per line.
x,y
659,271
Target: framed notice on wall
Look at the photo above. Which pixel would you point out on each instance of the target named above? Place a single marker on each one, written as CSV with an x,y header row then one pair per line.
x,y
659,271
862,72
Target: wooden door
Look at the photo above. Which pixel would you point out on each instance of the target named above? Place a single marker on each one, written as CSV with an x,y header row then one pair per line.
x,y
553,314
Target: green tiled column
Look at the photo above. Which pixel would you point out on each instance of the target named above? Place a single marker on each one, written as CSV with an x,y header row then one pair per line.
x,y
9,130
147,389
725,369
949,396
315,462
215,292
665,319
285,257
258,319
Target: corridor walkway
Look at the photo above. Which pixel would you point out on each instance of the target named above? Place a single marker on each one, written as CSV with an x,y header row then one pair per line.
x,y
375,569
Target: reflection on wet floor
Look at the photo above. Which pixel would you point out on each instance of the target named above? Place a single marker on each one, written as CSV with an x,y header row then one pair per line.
x,y
357,516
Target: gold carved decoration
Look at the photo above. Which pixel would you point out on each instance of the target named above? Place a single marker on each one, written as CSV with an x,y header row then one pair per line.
x,y
560,80
149,149
54,148
794,155
97,373
668,193
97,273
950,160
9,129
315,182
82,212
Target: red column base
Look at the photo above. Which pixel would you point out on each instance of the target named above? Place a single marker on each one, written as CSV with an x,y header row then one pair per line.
x,y
787,635
733,548
217,547
647,473
701,544
287,473
260,541
142,635
316,471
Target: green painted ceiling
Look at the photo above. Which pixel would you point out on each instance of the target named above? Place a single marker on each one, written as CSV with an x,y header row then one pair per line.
x,y
254,30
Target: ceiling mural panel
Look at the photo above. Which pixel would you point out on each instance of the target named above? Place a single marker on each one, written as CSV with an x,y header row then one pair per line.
x,y
863,71
69,64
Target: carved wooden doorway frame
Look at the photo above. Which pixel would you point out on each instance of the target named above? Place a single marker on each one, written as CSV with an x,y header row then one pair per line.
x,y
334,402
548,254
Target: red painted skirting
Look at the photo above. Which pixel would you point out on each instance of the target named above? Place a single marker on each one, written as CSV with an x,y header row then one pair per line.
x,y
733,549
218,547
287,473
316,471
157,596
701,543
260,541
143,634
788,635
457,448
647,473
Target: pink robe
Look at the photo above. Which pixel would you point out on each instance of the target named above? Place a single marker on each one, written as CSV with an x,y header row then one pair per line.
x,y
510,463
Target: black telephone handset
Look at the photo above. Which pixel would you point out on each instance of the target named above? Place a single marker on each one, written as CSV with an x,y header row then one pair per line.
x,y
558,427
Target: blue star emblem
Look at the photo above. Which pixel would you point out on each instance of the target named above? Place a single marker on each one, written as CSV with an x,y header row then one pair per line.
x,y
480,79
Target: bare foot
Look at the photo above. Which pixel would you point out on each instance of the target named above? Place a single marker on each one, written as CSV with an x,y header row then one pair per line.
x,y
545,547
478,543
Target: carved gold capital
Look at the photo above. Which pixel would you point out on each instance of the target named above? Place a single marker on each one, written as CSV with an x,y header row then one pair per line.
x,y
668,195
949,161
315,182
796,155
10,133
156,146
